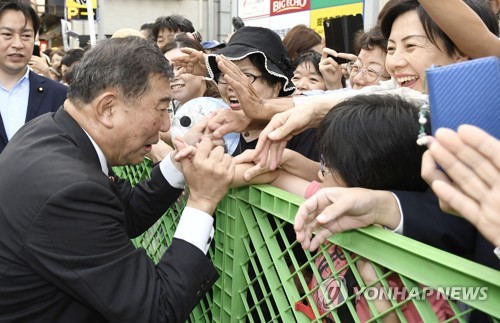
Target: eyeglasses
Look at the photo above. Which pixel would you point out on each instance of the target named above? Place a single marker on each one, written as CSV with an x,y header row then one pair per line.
x,y
252,78
322,166
368,74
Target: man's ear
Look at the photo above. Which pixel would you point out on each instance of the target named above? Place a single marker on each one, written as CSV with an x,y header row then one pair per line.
x,y
106,108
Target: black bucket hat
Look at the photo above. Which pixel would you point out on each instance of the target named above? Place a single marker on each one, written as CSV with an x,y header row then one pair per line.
x,y
257,40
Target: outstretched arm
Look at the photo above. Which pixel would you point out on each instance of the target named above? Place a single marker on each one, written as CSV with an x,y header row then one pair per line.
x,y
252,104
294,175
464,27
192,61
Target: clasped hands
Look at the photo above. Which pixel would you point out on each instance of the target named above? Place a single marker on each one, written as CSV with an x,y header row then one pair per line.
x,y
208,170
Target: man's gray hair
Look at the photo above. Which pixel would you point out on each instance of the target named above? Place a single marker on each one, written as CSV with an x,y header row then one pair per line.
x,y
124,64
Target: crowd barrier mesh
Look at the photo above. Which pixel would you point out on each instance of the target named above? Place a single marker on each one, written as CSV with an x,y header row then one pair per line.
x,y
266,277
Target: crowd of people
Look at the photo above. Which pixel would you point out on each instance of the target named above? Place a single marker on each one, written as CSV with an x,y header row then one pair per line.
x,y
343,136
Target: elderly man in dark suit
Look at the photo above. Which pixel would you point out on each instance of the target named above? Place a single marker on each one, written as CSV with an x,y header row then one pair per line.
x,y
24,95
65,225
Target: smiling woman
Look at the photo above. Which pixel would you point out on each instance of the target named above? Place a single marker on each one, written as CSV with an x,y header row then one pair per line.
x,y
186,86
307,76
415,42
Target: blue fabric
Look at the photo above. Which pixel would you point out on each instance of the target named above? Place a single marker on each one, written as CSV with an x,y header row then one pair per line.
x,y
14,105
466,93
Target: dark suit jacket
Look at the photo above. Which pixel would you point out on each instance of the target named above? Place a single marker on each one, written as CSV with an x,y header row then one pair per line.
x,y
304,143
65,230
424,221
46,95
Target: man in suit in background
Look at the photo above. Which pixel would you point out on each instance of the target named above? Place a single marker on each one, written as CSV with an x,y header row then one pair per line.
x,y
65,225
24,95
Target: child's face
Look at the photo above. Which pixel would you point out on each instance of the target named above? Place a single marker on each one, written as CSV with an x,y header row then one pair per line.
x,y
328,177
306,78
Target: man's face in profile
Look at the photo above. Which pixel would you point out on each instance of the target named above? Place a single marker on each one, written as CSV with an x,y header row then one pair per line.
x,y
137,125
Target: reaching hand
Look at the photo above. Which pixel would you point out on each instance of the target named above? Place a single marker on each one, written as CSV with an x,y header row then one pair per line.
x,y
159,151
248,157
250,101
194,136
223,122
471,186
274,137
193,62
337,209
208,173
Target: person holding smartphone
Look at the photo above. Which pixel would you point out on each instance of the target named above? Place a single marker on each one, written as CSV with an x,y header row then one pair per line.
x,y
39,62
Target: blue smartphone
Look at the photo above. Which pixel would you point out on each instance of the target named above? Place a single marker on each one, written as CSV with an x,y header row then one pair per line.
x,y
466,93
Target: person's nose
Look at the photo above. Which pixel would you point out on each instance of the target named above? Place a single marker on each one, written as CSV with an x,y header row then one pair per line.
x,y
17,42
229,89
302,85
358,80
165,122
395,61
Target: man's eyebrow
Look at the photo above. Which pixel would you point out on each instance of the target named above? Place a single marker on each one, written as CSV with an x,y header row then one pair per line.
x,y
12,29
166,99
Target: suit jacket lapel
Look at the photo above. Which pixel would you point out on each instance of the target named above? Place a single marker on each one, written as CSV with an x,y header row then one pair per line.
x,y
34,100
3,134
78,136
37,92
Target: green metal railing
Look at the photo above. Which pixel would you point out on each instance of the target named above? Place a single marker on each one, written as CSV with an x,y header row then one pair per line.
x,y
265,274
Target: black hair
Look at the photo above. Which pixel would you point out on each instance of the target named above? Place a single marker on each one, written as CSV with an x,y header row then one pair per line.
x,y
26,8
147,25
125,64
369,40
175,23
311,57
395,8
182,40
369,141
259,62
72,56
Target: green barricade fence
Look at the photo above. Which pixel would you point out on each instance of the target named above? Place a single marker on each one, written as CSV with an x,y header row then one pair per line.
x,y
266,276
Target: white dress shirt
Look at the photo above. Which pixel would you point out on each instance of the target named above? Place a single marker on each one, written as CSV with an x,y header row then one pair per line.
x,y
14,105
195,226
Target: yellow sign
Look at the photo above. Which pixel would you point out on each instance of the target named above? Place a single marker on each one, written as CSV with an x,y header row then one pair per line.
x,y
77,9
80,4
319,15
